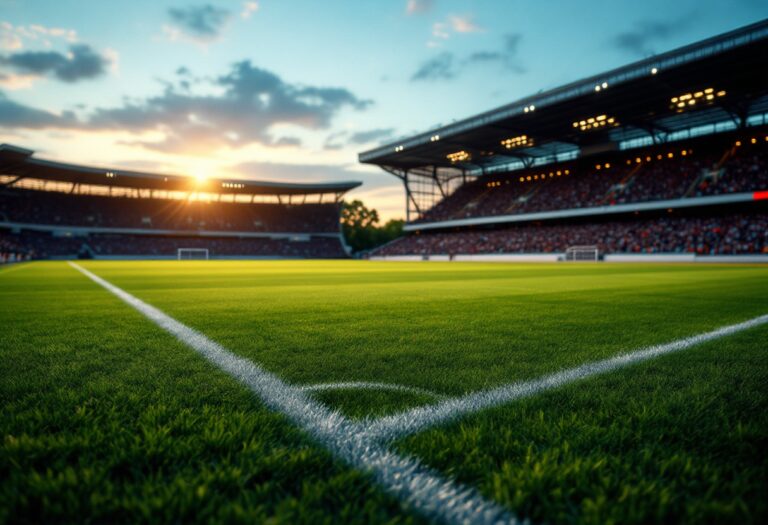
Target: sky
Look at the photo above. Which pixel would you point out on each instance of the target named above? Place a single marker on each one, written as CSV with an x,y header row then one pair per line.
x,y
293,90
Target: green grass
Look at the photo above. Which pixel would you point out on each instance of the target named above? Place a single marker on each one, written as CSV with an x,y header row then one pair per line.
x,y
108,419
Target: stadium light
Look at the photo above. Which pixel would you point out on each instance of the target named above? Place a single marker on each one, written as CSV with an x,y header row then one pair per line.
x,y
543,176
517,142
597,122
654,71
459,156
704,96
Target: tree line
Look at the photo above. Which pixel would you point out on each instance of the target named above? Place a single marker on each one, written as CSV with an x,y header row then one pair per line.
x,y
362,228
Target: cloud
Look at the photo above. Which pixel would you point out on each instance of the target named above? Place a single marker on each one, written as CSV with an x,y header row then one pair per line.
x,y
371,135
15,116
507,57
248,9
446,66
251,102
81,63
453,24
13,81
202,24
288,141
335,141
416,7
641,40
13,38
440,67
463,24
245,105
9,39
440,30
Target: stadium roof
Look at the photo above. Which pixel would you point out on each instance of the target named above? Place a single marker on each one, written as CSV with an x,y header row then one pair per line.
x,y
19,162
642,98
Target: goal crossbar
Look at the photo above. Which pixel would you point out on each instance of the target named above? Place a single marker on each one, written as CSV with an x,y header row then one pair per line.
x,y
192,254
582,253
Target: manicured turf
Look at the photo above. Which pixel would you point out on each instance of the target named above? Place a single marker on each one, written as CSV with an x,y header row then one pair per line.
x,y
107,418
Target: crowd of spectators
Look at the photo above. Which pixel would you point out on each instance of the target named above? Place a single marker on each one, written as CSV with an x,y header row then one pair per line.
x,y
11,250
44,245
747,172
643,176
55,208
730,234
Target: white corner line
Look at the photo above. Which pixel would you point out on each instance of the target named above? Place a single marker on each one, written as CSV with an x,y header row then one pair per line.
x,y
370,385
394,426
416,486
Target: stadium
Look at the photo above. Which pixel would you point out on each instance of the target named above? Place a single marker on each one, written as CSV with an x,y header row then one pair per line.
x,y
570,327
64,211
666,156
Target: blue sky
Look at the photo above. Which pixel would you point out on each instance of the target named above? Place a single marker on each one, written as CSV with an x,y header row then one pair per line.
x,y
294,89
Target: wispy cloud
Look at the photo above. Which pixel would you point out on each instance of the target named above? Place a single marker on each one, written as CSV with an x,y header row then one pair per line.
x,y
248,9
13,38
440,67
415,7
443,30
646,35
288,141
464,24
447,66
202,24
507,56
371,135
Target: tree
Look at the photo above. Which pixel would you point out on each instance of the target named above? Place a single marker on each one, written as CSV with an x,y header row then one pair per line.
x,y
361,227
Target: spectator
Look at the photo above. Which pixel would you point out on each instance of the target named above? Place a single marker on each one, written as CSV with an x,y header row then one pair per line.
x,y
726,235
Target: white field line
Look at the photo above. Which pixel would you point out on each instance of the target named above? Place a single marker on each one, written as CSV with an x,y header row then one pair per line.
x,y
394,426
368,385
416,486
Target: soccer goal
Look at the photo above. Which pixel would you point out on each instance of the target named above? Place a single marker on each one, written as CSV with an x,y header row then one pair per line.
x,y
582,253
192,254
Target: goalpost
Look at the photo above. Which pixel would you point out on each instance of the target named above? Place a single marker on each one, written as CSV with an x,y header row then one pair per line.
x,y
582,253
192,254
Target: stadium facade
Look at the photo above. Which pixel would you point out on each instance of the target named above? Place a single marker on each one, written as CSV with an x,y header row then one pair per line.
x,y
56,210
668,155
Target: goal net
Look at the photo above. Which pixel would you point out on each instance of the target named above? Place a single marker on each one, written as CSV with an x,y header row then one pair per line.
x,y
192,254
582,253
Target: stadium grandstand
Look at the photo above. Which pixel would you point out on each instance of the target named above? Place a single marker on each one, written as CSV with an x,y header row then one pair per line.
x,y
56,210
668,155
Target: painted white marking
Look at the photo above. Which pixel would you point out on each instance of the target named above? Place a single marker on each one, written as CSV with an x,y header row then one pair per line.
x,y
394,426
368,385
418,487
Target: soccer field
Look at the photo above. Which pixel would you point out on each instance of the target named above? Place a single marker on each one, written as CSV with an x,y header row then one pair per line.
x,y
383,392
